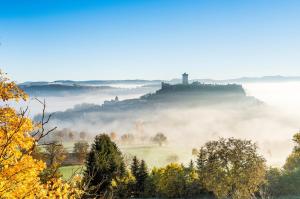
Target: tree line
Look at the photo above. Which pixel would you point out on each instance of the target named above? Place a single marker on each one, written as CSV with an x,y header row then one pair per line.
x,y
225,168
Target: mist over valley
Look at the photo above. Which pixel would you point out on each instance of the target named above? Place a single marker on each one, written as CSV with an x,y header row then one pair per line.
x,y
263,112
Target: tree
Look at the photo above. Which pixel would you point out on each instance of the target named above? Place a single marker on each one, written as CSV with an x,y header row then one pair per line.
x,y
82,135
171,181
191,166
194,152
135,166
19,171
80,150
71,135
286,181
113,136
142,177
127,138
159,138
140,173
123,186
122,170
103,164
231,168
293,160
54,156
172,158
55,153
61,134
272,187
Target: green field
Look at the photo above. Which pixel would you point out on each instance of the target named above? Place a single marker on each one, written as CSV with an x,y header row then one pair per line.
x,y
154,156
69,146
68,171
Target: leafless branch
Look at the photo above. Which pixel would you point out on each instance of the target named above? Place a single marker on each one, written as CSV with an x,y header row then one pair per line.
x,y
45,119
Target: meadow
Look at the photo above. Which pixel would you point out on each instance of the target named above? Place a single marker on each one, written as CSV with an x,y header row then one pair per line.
x,y
155,156
68,172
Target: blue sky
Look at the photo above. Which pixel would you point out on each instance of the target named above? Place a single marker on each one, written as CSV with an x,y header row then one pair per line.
x,y
148,39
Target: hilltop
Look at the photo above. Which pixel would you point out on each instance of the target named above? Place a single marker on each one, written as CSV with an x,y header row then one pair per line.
x,y
168,96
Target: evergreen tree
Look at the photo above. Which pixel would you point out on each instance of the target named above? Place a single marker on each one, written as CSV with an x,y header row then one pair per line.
x,y
139,171
142,177
191,166
135,167
103,164
122,170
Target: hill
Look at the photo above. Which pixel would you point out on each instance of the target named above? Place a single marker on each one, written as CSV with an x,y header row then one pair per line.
x,y
46,89
169,96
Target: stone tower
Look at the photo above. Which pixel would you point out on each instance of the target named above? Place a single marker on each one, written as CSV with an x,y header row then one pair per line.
x,y
185,79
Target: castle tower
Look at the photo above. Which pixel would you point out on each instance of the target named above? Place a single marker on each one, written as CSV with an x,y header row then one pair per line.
x,y
185,79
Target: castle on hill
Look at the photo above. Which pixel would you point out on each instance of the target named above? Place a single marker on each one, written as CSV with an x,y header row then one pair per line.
x,y
113,101
185,81
198,87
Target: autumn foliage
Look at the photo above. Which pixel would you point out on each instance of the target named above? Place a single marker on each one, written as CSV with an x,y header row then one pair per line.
x,y
19,171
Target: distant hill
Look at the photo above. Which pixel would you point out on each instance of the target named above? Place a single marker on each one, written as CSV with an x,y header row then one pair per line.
x,y
169,96
70,87
91,82
270,79
135,81
276,78
46,89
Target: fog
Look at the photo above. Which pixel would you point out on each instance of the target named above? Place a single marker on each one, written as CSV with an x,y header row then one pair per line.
x,y
64,102
283,96
270,126
192,127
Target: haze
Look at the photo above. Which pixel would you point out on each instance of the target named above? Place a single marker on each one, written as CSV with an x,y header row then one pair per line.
x,y
271,127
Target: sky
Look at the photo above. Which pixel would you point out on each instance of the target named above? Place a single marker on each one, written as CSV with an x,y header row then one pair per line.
x,y
46,40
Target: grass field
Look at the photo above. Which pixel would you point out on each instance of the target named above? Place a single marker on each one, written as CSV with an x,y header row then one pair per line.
x,y
154,156
69,145
68,171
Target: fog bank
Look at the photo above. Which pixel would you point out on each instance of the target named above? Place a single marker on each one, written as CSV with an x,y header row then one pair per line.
x,y
271,126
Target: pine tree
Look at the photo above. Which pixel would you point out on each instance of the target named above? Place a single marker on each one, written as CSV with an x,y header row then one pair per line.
x,y
139,171
122,170
142,177
191,166
103,164
135,167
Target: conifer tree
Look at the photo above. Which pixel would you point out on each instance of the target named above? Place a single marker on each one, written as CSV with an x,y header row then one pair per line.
x,y
191,166
139,171
135,167
103,164
122,170
142,177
